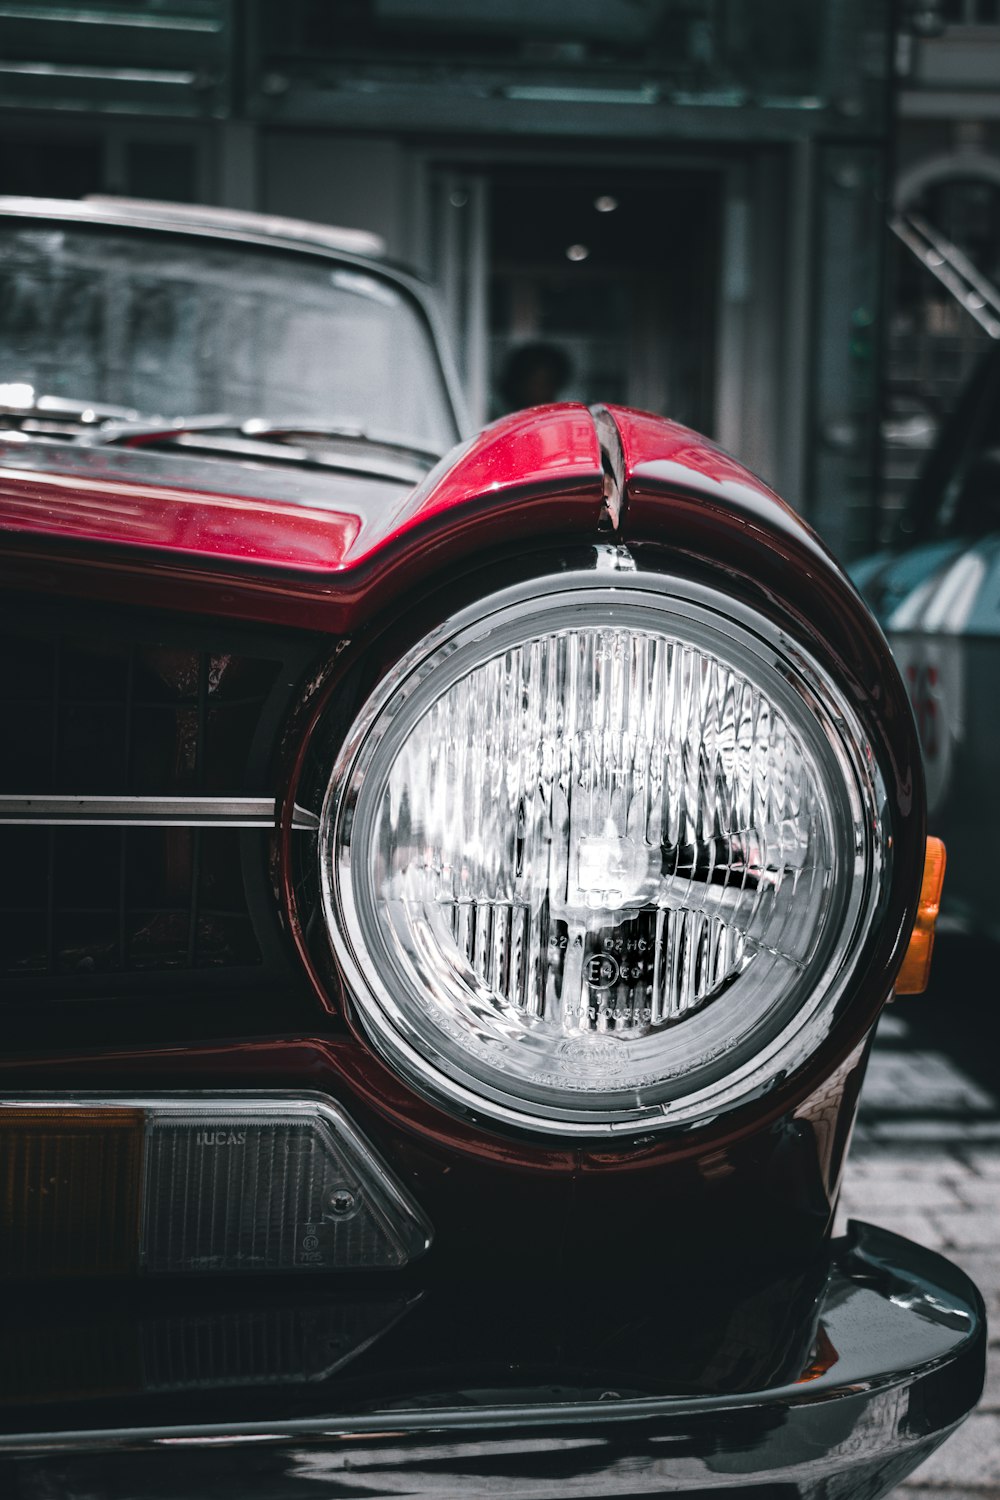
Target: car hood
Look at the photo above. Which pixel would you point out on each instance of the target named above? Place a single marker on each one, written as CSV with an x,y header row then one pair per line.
x,y
949,587
306,537
327,550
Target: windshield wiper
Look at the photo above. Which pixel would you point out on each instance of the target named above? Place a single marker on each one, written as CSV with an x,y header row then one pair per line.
x,y
301,441
147,432
19,402
345,447
311,431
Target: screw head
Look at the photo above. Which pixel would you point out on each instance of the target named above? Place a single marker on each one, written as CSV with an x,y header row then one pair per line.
x,y
342,1201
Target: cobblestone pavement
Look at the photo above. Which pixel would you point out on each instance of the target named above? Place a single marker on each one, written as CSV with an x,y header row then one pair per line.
x,y
925,1162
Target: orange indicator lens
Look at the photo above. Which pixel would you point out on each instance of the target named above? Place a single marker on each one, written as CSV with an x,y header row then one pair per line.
x,y
69,1191
916,971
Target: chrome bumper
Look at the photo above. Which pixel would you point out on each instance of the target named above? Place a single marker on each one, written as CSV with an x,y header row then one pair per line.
x,y
901,1341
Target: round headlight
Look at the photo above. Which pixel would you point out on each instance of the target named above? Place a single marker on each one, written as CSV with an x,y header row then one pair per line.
x,y
600,858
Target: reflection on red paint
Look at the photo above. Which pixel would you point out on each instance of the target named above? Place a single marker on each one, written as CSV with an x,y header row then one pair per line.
x,y
225,528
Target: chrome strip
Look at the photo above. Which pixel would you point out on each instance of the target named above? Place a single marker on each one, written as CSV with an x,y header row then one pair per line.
x,y
236,223
151,812
613,464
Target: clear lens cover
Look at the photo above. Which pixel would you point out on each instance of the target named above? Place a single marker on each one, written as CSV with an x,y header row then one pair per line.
x,y
590,859
263,1185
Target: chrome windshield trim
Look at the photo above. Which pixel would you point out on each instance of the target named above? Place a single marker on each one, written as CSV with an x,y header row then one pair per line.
x,y
150,812
99,208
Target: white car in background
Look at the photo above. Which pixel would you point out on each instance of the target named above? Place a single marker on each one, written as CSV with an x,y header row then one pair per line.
x,y
936,593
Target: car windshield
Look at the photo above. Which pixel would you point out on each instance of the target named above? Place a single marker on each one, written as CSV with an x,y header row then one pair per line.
x,y
168,325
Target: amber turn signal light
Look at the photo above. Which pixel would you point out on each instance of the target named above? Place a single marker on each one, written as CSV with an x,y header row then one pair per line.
x,y
916,970
182,1183
55,1165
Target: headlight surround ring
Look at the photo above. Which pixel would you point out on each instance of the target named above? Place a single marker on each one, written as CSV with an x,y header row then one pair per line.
x,y
428,1052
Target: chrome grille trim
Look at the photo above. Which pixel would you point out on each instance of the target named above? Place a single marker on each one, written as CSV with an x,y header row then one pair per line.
x,y
150,812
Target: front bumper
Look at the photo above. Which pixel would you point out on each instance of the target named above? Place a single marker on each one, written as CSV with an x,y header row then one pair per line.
x,y
896,1363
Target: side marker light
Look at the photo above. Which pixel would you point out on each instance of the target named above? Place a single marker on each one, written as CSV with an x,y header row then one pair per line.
x,y
915,973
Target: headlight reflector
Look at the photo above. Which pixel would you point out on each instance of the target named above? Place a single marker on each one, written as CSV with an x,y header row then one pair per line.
x,y
598,858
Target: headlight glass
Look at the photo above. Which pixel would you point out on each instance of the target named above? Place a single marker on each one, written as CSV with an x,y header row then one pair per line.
x,y
596,860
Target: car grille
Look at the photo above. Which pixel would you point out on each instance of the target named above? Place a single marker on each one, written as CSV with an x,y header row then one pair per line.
x,y
130,705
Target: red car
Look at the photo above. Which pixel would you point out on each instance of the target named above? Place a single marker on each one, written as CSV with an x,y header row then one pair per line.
x,y
447,896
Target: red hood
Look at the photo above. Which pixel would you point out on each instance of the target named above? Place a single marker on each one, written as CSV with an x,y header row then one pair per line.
x,y
530,474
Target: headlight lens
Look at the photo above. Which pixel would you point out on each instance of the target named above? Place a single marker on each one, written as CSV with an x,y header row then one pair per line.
x,y
599,859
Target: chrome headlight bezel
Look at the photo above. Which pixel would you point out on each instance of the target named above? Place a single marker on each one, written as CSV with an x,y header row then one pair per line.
x,y
434,1066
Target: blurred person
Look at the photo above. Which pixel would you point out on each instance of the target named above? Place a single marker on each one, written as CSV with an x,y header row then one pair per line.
x,y
533,375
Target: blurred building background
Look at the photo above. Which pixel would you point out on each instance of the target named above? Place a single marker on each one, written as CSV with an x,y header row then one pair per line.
x,y
687,199
946,187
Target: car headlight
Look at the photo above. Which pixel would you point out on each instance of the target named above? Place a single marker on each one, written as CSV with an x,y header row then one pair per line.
x,y
601,858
